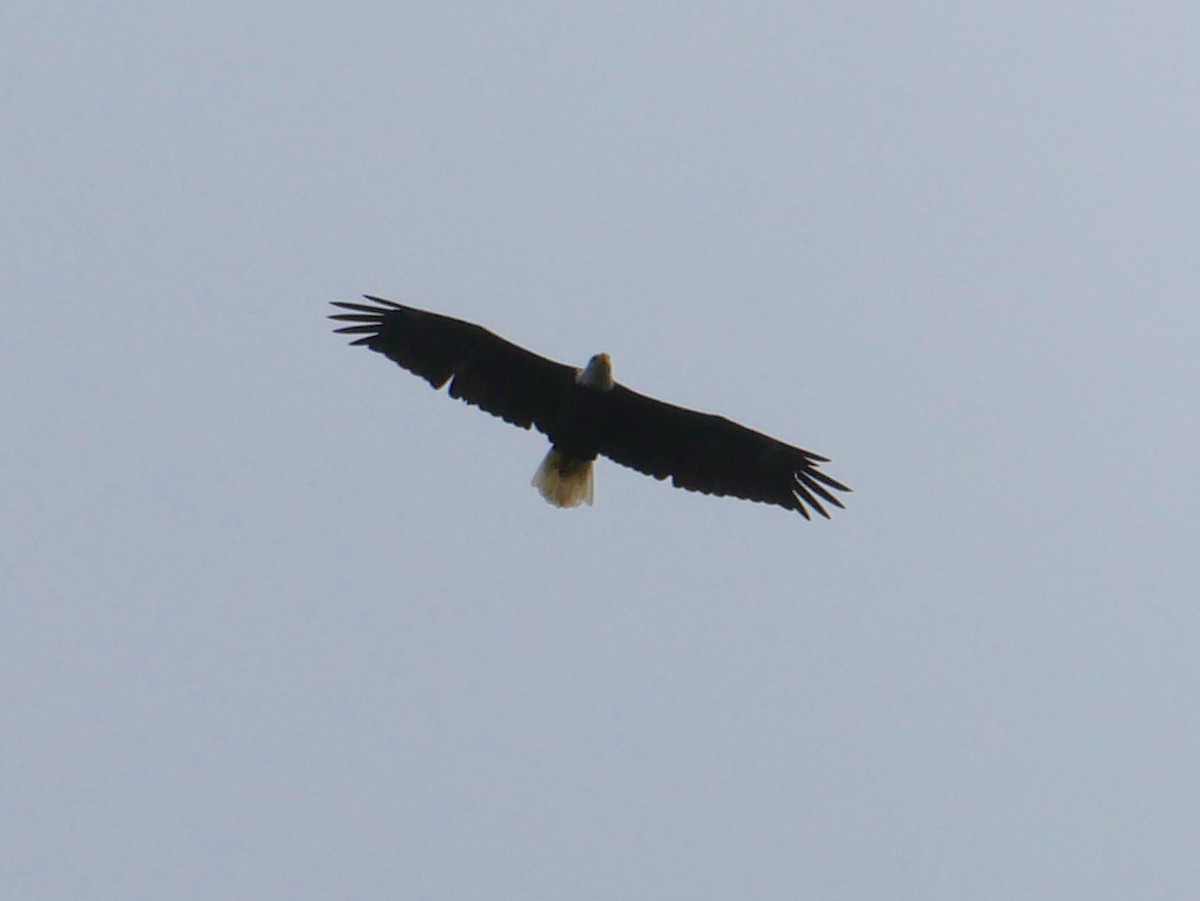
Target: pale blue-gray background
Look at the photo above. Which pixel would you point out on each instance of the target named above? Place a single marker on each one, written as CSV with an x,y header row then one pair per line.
x,y
280,622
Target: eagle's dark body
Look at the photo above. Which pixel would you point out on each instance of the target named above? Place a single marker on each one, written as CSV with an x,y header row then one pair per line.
x,y
585,414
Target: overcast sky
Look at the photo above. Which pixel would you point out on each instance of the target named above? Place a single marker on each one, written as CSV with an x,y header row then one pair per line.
x,y
279,621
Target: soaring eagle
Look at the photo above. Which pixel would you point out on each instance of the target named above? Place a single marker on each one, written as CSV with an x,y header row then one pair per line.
x,y
584,413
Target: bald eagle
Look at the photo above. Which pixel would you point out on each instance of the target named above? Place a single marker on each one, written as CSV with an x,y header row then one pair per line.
x,y
585,413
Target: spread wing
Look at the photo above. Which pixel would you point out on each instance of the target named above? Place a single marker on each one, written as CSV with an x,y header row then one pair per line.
x,y
711,454
483,369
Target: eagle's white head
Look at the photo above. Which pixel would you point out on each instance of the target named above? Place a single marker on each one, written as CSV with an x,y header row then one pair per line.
x,y
597,373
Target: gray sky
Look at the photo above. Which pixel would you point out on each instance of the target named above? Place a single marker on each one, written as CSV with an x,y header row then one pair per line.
x,y
281,622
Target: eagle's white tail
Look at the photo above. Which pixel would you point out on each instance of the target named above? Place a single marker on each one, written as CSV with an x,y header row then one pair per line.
x,y
563,482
